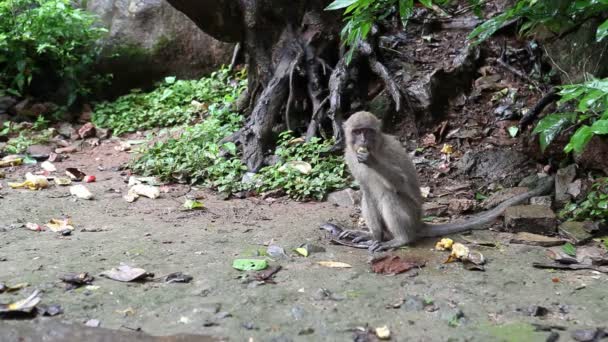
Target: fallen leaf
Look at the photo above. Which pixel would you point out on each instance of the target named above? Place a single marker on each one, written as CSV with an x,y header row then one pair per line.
x,y
75,280
393,264
249,264
26,305
334,264
266,275
193,204
178,277
127,273
12,288
59,225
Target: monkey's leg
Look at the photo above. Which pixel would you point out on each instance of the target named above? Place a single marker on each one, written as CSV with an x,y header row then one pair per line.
x,y
398,222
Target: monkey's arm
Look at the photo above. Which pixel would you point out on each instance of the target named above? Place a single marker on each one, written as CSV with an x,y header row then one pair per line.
x,y
481,220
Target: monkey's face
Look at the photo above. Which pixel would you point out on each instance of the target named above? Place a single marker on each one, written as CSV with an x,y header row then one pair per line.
x,y
364,143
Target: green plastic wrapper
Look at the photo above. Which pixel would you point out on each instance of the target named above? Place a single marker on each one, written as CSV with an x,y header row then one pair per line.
x,y
249,264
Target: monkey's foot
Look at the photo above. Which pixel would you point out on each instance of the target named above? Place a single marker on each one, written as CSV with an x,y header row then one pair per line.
x,y
379,246
355,235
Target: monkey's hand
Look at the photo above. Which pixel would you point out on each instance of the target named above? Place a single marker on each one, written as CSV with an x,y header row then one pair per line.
x,y
362,155
355,235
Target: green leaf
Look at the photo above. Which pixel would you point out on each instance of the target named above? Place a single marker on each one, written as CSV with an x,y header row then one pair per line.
x,y
480,197
302,251
249,264
569,249
551,125
579,140
192,204
602,31
338,4
170,79
427,3
600,127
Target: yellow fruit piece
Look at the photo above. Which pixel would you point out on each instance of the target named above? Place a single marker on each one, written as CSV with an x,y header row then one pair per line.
x,y
444,245
459,252
447,149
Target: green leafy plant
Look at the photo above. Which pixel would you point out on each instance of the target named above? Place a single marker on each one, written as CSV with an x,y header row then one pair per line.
x,y
361,15
25,139
170,104
195,155
594,207
326,172
590,100
38,37
556,15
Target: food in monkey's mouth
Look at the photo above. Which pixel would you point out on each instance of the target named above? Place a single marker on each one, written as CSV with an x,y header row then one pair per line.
x,y
362,150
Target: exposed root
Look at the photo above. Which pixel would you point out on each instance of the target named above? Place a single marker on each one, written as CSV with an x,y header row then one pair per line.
x,y
382,72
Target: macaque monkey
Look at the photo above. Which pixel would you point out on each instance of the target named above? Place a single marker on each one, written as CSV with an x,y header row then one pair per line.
x,y
391,203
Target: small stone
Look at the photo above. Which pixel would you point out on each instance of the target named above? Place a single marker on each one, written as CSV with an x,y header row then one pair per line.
x,y
545,201
346,198
102,133
575,231
66,130
536,240
306,331
563,178
461,205
574,188
530,218
588,335
86,131
93,323
297,313
249,325
40,152
501,196
529,181
413,303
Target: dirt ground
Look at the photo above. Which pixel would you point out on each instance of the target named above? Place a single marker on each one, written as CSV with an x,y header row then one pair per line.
x,y
309,302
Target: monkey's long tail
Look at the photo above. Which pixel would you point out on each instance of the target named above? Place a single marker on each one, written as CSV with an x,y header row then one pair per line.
x,y
480,221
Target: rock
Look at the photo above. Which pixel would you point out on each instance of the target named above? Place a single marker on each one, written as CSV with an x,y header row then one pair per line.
x,y
530,218
461,205
413,303
66,130
530,181
102,133
563,178
345,198
594,155
545,201
40,152
536,240
574,188
576,231
503,165
6,102
537,311
153,40
86,131
501,196
589,335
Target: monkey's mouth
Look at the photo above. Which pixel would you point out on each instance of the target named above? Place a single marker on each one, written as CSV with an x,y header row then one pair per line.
x,y
362,154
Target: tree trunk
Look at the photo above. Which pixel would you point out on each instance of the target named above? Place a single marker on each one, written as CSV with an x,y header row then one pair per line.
x,y
298,78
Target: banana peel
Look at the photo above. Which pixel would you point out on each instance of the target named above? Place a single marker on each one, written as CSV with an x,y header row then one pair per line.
x,y
32,182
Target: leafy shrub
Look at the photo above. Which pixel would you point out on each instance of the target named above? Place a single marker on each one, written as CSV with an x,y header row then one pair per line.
x,y
591,115
594,207
361,15
39,36
170,104
328,172
557,16
195,154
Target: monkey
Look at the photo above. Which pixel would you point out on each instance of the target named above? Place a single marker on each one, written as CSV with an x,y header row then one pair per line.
x,y
391,203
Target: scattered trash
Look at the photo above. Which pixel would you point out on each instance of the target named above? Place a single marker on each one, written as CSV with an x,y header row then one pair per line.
x,y
447,149
393,264
383,333
266,275
472,260
142,190
49,310
513,130
81,191
334,264
94,323
34,226
193,204
127,273
12,288
32,182
425,191
8,161
48,166
63,181
126,312
301,166
76,280
276,251
143,180
24,306
178,277
249,264
89,179
60,225
307,249
74,174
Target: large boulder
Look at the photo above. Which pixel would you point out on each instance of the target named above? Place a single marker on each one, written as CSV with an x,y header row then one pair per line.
x,y
149,39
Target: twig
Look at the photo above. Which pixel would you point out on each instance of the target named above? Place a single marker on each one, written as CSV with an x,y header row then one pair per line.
x,y
550,97
517,73
235,55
